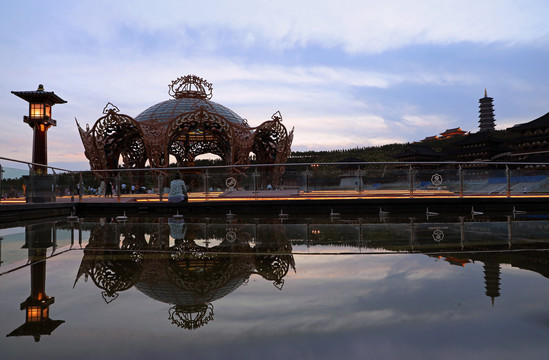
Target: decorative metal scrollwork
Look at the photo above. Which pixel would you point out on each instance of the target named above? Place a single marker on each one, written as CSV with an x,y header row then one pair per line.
x,y
191,317
190,86
110,107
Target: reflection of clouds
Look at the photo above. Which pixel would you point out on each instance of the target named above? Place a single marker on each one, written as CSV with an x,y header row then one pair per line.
x,y
345,317
371,267
327,297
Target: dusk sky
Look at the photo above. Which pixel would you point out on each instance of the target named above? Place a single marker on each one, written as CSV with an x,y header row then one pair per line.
x,y
343,73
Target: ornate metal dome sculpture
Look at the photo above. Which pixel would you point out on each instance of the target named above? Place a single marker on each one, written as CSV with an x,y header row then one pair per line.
x,y
103,264
185,127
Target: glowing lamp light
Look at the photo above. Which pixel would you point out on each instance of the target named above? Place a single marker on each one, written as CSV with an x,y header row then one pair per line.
x,y
40,111
37,313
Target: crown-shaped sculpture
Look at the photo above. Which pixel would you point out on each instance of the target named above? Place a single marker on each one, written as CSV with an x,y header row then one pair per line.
x,y
191,317
190,86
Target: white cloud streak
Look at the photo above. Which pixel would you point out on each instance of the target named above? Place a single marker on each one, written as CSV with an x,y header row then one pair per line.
x,y
355,26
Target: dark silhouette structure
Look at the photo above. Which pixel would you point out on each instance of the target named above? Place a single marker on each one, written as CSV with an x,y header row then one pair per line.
x,y
487,121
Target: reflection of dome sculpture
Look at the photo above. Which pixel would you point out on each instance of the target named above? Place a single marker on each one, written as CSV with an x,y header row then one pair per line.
x,y
274,254
184,127
192,278
108,269
186,275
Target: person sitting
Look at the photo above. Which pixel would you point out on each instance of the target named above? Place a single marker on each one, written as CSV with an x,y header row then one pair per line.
x,y
178,190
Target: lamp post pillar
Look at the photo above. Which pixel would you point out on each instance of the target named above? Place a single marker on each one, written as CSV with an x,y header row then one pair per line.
x,y
40,120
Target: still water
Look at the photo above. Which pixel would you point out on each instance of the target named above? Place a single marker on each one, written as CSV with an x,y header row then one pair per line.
x,y
275,289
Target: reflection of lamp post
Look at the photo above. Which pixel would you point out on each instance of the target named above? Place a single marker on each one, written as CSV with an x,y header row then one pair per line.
x,y
39,119
36,306
1,178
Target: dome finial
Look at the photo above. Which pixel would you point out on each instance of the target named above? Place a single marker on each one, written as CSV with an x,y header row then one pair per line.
x,y
190,86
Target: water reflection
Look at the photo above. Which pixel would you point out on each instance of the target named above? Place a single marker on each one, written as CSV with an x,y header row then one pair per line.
x,y
192,264
188,266
38,238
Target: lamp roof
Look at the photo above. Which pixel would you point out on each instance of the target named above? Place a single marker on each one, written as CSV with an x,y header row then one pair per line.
x,y
39,96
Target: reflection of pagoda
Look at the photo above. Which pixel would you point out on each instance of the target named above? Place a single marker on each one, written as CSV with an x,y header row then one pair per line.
x,y
467,243
38,238
492,279
186,266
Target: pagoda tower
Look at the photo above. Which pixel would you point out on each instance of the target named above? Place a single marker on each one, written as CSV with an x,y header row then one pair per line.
x,y
487,121
492,272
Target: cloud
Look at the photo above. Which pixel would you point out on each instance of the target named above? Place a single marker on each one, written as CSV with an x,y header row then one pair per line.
x,y
345,74
354,26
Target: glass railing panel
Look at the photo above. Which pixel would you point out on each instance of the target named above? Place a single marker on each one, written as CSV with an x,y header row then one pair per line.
x,y
395,237
484,180
389,180
13,181
292,178
19,243
325,180
436,181
528,181
194,180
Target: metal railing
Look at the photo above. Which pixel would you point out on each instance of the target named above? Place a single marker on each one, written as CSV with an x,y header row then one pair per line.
x,y
293,180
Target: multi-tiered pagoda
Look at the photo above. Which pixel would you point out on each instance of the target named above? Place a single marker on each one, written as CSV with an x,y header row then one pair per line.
x,y
487,121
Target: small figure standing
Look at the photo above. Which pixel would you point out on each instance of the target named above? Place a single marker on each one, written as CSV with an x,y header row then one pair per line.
x,y
178,190
102,189
108,190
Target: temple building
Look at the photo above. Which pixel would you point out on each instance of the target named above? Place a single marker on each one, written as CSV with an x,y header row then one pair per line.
x,y
419,153
481,146
533,145
447,134
450,133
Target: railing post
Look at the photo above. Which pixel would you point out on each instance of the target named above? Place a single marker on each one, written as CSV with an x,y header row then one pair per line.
x,y
80,187
71,188
509,231
205,177
508,175
118,189
460,181
160,189
307,180
359,180
411,175
1,194
255,176
55,186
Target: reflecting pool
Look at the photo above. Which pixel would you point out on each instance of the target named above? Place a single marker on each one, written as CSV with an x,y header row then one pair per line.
x,y
277,288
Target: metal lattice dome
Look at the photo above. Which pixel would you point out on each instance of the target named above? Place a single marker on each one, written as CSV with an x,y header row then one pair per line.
x,y
168,110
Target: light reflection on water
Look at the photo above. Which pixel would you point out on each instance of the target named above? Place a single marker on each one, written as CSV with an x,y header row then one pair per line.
x,y
270,289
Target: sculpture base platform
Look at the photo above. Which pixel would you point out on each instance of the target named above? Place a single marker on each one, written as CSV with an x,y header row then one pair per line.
x,y
40,188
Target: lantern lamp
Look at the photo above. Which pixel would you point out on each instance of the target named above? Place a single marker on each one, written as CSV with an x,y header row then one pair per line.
x,y
39,119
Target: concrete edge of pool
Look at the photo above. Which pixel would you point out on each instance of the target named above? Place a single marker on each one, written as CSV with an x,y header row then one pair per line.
x,y
253,208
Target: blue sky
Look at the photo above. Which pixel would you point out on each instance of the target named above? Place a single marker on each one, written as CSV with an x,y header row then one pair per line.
x,y
343,73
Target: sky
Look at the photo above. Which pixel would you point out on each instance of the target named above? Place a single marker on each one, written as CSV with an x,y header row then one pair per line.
x,y
343,73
